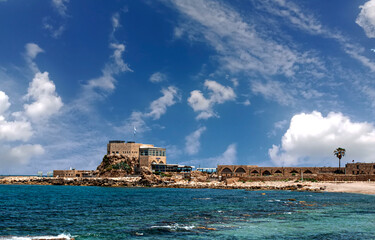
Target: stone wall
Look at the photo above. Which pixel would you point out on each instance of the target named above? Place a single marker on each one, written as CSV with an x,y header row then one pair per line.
x,y
362,172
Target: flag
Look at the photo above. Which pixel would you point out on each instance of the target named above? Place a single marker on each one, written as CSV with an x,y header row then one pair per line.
x,y
135,131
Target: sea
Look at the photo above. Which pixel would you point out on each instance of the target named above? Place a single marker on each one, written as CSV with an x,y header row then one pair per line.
x,y
48,212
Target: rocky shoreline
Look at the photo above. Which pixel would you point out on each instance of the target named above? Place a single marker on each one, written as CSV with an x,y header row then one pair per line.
x,y
139,181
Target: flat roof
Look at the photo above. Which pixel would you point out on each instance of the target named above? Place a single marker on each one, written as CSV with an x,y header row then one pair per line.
x,y
145,147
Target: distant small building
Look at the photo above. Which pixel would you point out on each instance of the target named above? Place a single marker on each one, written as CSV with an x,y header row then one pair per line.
x,y
74,173
170,168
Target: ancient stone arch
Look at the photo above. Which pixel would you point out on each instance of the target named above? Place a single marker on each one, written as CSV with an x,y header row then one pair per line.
x,y
153,162
240,170
278,171
254,172
266,173
294,171
307,172
226,170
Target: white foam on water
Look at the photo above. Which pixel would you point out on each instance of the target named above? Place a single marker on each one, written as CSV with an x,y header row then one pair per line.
x,y
60,236
175,227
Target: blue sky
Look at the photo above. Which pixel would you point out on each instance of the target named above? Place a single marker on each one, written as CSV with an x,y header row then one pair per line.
x,y
268,83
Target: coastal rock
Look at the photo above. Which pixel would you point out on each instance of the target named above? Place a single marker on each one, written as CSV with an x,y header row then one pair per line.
x,y
117,166
145,170
231,181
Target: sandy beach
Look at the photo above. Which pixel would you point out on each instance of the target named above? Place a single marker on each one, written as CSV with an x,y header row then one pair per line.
x,y
349,187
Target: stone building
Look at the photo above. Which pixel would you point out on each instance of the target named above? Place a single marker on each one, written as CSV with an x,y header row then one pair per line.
x,y
360,168
147,154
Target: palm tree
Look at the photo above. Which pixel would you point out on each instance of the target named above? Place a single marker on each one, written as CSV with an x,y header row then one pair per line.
x,y
339,153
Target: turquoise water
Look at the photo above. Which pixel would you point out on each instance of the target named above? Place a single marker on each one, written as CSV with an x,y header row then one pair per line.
x,y
147,213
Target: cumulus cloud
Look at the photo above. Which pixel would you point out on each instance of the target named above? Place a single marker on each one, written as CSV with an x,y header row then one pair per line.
x,y
366,18
159,106
20,155
311,139
4,102
228,157
218,94
15,130
193,144
273,90
158,77
12,130
46,101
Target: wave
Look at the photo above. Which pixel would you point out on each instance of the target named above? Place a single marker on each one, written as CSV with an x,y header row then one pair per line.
x,y
174,227
48,237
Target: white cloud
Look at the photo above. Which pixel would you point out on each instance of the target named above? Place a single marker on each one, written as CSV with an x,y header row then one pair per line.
x,y
193,144
15,130
280,124
159,106
312,138
20,155
311,93
12,130
235,82
46,101
117,65
307,22
115,21
137,120
229,157
32,51
55,31
246,102
366,18
4,102
273,90
218,94
158,77
60,6
241,45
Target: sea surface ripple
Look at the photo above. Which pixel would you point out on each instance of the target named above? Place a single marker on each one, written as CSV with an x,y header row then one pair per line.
x,y
162,213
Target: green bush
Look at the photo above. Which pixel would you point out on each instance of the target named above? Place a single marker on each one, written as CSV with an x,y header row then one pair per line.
x,y
122,166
